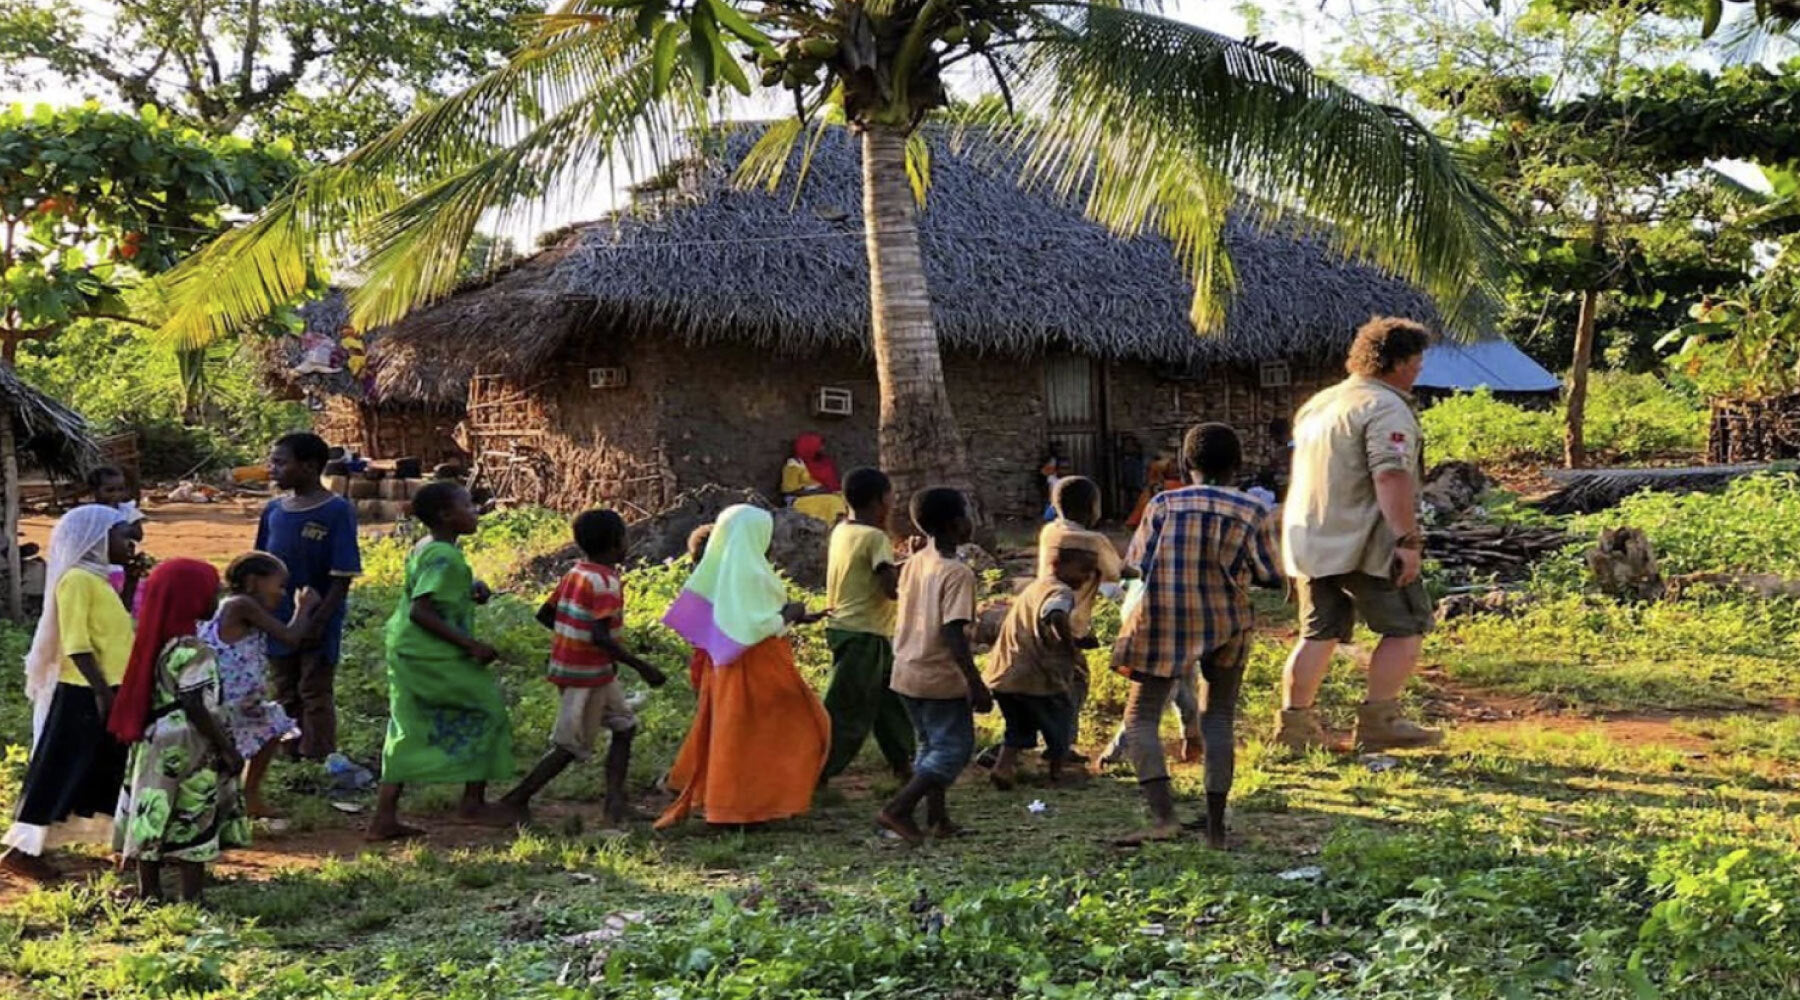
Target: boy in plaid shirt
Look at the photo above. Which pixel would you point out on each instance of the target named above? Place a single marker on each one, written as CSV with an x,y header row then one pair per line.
x,y
1200,549
586,613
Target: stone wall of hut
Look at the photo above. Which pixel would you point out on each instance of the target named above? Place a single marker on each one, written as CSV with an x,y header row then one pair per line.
x,y
391,431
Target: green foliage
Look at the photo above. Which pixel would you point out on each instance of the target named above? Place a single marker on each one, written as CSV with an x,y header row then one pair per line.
x,y
1747,527
90,200
325,76
1630,418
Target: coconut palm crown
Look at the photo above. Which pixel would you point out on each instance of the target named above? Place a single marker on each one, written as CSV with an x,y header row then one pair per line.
x,y
1154,126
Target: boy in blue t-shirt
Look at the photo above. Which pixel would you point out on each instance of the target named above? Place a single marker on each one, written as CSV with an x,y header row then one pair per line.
x,y
313,531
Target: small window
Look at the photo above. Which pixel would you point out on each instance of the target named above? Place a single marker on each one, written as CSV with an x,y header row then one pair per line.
x,y
833,401
607,378
1274,375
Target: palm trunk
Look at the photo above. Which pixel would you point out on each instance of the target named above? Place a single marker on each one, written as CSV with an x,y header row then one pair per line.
x,y
920,443
1574,445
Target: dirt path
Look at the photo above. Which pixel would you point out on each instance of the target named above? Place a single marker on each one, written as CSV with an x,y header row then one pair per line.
x,y
215,532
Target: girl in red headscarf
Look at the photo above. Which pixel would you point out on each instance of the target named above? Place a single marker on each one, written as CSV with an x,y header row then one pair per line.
x,y
181,800
809,481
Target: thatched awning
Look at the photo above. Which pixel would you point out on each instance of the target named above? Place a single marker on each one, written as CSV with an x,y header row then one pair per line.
x,y
50,435
399,373
1011,272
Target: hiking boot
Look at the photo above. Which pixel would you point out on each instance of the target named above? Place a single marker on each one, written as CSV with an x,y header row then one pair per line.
x,y
1380,726
1298,730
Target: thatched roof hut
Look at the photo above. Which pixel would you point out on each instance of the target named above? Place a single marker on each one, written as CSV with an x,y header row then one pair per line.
x,y
731,309
50,436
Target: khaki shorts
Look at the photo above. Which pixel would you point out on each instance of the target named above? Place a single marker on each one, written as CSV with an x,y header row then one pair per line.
x,y
585,712
1330,605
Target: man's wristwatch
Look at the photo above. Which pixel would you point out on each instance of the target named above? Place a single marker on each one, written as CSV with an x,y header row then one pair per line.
x,y
1410,540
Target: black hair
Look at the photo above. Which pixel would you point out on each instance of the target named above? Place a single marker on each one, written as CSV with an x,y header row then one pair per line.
x,y
697,539
99,474
249,565
306,447
1213,450
433,500
1076,497
598,532
935,509
864,488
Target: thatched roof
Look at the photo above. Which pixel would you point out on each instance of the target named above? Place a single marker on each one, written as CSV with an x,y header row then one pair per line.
x,y
398,373
50,435
1011,271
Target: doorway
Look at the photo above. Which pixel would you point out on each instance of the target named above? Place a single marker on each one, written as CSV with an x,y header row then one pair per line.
x,y
1075,411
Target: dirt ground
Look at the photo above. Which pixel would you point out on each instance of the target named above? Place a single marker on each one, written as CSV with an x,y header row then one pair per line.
x,y
215,532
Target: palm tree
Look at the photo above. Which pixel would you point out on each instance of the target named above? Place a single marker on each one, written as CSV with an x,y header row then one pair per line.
x,y
1154,125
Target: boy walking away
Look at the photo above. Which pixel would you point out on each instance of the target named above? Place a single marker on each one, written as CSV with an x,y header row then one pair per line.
x,y
313,532
1077,503
1034,662
587,615
447,723
1200,549
862,586
934,669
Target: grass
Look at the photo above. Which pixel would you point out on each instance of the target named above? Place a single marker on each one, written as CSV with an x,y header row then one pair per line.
x,y
1516,861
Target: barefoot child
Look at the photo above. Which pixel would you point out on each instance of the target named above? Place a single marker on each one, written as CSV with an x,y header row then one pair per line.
x,y
446,721
1201,549
934,669
862,584
238,636
1077,503
313,532
77,658
181,801
696,550
1032,670
587,615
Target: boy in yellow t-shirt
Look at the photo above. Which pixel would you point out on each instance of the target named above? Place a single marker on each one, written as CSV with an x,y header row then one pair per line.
x,y
862,581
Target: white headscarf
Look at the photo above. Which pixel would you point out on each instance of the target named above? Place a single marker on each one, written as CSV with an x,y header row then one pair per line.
x,y
77,542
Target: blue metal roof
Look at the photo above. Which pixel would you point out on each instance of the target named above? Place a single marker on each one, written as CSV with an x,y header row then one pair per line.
x,y
1495,363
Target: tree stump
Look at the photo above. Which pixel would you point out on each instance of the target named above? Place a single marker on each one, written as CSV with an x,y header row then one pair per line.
x,y
1623,565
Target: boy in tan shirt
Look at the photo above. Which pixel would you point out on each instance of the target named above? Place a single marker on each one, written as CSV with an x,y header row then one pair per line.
x,y
1036,659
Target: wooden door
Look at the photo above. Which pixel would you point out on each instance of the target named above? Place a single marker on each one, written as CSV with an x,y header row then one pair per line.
x,y
1075,407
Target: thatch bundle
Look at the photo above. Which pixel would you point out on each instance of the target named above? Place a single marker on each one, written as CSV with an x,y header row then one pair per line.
x,y
50,435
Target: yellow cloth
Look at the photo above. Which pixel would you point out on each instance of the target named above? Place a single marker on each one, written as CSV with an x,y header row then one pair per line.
x,y
935,591
1112,566
1343,438
92,619
756,747
851,589
795,481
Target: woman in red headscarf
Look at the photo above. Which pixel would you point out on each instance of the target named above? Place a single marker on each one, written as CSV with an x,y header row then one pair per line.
x,y
181,800
809,481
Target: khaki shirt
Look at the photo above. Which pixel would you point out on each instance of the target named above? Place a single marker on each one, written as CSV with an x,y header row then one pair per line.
x,y
1026,658
1112,566
1343,438
935,590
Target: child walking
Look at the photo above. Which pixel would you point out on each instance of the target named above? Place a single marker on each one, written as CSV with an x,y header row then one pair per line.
x,y
1200,549
446,720
1077,503
77,658
239,638
587,615
934,669
313,532
1033,666
181,801
862,586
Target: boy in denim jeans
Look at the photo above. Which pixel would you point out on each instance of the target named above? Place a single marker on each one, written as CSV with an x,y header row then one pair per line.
x,y
934,669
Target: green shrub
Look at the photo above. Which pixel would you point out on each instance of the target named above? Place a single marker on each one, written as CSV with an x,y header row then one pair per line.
x,y
1629,418
1747,527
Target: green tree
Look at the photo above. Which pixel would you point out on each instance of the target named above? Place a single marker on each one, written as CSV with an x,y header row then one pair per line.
x,y
1155,125
1587,123
326,74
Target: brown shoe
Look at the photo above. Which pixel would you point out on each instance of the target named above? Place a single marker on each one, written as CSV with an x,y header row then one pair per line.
x,y
1380,726
1298,729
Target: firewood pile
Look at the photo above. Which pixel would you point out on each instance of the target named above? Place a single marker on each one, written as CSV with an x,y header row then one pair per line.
x,y
1505,550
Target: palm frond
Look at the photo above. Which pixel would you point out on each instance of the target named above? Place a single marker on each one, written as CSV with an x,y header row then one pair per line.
x,y
1157,121
328,218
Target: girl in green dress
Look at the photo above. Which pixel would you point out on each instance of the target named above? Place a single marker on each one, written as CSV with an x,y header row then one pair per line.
x,y
446,720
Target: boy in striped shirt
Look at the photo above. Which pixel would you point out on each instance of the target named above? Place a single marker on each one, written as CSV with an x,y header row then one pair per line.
x,y
586,615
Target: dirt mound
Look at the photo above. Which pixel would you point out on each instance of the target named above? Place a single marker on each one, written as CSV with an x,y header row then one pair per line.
x,y
798,548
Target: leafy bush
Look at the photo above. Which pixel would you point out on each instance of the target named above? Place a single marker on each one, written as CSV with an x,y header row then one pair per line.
x,y
1749,526
1629,418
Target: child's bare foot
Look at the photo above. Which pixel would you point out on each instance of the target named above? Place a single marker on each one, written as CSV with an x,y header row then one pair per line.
x,y
947,830
901,827
29,867
1150,835
391,830
499,814
258,809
